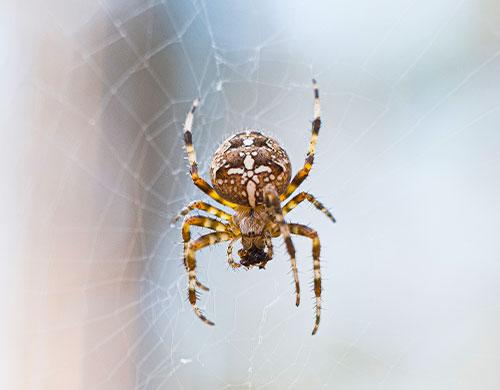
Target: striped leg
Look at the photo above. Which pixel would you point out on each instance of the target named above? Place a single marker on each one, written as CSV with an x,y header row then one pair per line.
x,y
299,198
197,180
193,247
313,235
200,205
230,258
304,171
207,222
272,201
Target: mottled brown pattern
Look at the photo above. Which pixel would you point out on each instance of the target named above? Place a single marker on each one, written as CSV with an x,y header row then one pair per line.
x,y
248,156
251,174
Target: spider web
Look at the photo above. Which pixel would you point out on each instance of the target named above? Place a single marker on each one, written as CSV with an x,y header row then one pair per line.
x,y
407,160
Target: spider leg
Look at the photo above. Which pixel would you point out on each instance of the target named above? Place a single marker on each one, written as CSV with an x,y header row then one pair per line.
x,y
200,205
272,201
269,244
230,258
207,222
192,248
305,231
300,197
302,174
197,180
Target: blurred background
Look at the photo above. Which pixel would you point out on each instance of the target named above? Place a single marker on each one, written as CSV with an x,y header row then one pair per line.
x,y
93,97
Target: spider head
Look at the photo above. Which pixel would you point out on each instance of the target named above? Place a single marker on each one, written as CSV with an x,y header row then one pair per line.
x,y
253,252
253,257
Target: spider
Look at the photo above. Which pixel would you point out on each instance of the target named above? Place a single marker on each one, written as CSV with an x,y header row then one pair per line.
x,y
251,174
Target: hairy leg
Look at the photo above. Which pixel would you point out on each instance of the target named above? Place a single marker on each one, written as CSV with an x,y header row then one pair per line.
x,y
193,247
200,205
272,202
313,235
197,180
207,222
299,198
302,174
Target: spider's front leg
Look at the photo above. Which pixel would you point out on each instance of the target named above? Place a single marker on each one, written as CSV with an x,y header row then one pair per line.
x,y
207,222
313,235
272,202
302,174
192,248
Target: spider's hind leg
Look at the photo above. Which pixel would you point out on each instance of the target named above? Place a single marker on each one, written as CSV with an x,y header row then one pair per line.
x,y
193,165
302,174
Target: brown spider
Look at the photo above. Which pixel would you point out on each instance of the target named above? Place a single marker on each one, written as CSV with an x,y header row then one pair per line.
x,y
251,174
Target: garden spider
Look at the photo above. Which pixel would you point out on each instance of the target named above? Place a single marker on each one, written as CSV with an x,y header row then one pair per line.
x,y
251,174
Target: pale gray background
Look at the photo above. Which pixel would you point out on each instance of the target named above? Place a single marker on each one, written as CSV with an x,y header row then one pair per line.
x,y
408,160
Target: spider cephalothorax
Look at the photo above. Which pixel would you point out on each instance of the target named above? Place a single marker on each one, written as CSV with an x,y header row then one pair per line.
x,y
251,174
255,239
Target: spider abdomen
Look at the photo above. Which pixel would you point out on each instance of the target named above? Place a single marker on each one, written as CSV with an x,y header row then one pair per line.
x,y
247,162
